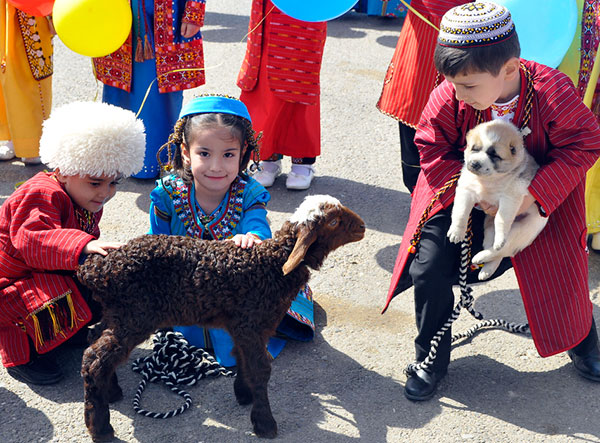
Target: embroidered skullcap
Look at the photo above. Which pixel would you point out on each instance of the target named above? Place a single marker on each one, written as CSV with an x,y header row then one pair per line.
x,y
475,24
93,138
215,104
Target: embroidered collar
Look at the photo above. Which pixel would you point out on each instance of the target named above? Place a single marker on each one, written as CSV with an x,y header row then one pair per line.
x,y
505,110
219,225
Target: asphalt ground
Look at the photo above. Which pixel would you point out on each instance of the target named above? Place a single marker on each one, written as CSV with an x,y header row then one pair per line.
x,y
346,385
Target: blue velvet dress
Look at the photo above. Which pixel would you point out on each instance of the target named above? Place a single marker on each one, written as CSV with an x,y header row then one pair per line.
x,y
174,211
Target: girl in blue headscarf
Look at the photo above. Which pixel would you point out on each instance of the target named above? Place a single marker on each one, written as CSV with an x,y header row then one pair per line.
x,y
207,195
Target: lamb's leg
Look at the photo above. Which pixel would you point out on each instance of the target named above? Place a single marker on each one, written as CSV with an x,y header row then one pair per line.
x,y
100,383
115,393
242,391
256,371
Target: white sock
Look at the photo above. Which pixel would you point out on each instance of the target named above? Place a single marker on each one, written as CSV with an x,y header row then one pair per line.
x,y
302,169
270,166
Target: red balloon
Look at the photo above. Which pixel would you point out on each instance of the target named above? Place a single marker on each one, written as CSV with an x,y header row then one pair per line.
x,y
38,8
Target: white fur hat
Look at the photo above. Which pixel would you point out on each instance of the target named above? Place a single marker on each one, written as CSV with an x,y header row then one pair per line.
x,y
93,138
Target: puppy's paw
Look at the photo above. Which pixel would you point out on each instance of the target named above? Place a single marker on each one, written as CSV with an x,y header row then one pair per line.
x,y
483,275
499,243
456,233
483,257
488,269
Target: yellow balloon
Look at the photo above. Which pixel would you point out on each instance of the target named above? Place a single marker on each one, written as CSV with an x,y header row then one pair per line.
x,y
93,28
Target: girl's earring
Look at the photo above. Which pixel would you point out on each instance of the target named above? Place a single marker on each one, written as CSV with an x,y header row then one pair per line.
x,y
255,156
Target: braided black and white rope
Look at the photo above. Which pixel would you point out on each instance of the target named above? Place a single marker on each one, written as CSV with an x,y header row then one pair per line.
x,y
466,302
175,362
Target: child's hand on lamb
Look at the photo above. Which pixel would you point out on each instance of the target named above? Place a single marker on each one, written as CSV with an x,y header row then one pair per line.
x,y
246,240
100,247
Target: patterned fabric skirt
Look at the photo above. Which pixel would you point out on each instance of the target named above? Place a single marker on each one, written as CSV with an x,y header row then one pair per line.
x,y
298,324
159,114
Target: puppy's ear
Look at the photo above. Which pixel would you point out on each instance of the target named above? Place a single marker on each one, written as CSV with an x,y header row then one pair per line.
x,y
470,138
516,142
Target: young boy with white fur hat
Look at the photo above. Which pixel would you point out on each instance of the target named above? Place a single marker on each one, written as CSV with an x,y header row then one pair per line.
x,y
48,226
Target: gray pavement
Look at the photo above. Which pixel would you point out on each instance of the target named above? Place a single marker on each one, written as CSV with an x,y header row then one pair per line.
x,y
347,385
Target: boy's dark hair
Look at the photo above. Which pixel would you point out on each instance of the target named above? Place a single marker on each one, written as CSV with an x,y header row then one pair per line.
x,y
451,61
186,127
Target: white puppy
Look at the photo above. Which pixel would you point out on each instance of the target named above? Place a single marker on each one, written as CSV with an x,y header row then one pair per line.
x,y
497,170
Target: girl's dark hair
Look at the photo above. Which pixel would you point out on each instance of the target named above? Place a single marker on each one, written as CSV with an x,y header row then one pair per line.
x,y
184,131
451,61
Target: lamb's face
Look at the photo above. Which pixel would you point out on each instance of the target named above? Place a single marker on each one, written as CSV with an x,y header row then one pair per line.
x,y
340,225
323,224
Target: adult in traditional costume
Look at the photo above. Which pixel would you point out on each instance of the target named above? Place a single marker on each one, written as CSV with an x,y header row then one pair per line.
x,y
25,81
553,271
164,45
411,76
280,86
43,233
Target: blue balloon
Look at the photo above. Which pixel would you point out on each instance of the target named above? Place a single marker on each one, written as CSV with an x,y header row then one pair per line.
x,y
545,27
314,10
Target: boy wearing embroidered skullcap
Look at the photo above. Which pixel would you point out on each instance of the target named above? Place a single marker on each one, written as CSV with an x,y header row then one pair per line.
x,y
478,53
48,226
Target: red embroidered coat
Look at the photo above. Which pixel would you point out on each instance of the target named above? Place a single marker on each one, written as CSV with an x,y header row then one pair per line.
x,y
291,78
411,75
170,53
39,237
553,272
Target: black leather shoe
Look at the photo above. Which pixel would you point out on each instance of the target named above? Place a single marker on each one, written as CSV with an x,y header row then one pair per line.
x,y
41,370
587,365
422,385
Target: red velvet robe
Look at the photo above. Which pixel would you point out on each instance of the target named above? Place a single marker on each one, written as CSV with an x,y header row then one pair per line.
x,y
553,271
39,235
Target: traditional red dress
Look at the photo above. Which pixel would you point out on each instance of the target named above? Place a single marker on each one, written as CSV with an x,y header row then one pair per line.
x,y
279,79
565,140
411,75
40,238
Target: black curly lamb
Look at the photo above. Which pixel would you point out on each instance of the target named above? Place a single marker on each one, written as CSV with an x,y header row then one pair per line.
x,y
157,281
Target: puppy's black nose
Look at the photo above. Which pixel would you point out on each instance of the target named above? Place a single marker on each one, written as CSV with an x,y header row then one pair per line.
x,y
474,165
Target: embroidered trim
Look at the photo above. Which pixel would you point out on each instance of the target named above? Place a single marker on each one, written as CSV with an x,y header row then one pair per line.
x,y
220,229
505,109
41,66
162,214
194,13
87,220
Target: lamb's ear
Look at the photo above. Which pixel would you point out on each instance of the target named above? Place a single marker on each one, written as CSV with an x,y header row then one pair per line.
x,y
306,237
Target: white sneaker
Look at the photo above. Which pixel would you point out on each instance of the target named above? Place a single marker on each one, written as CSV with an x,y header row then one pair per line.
x,y
7,151
267,173
300,177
